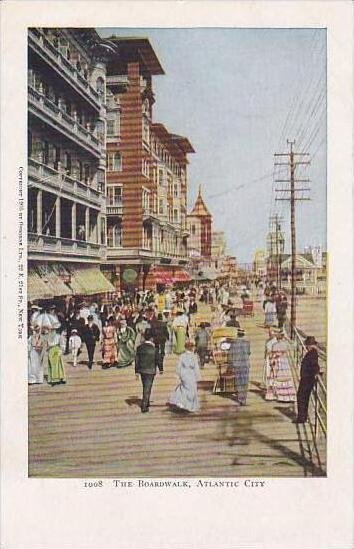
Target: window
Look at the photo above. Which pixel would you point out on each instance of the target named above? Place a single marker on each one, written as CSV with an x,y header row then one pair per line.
x,y
161,210
67,162
87,173
113,123
175,215
175,190
145,167
114,236
193,229
110,126
114,195
146,131
81,170
100,85
160,177
114,162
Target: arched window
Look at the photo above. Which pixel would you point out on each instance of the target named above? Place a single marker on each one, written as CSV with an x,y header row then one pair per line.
x,y
100,85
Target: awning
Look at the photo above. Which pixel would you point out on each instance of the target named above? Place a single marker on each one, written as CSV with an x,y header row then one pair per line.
x,y
51,277
36,287
159,276
90,281
181,276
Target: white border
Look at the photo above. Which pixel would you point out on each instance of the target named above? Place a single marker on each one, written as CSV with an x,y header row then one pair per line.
x,y
308,513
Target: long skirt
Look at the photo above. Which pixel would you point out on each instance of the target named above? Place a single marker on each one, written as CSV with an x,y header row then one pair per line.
x,y
180,334
241,382
185,396
169,343
35,367
56,371
126,353
279,382
109,350
270,319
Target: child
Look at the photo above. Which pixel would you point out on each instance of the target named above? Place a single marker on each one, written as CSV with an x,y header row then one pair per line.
x,y
74,345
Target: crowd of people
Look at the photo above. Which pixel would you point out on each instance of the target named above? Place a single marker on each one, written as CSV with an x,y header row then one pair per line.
x,y
143,327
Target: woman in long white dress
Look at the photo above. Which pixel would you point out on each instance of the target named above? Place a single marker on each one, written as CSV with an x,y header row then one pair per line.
x,y
185,395
35,356
267,373
280,385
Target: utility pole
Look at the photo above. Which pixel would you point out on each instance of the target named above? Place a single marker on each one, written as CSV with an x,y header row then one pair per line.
x,y
274,221
293,190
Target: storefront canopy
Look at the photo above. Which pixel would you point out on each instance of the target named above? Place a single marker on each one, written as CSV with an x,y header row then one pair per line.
x,y
36,287
90,281
181,276
52,277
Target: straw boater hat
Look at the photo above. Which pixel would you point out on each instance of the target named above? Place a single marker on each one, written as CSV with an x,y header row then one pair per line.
x,y
74,331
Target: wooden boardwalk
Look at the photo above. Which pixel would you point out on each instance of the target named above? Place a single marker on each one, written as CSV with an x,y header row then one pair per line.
x,y
93,427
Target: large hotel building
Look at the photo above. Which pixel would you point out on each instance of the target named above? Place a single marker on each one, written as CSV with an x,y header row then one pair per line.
x,y
146,175
107,187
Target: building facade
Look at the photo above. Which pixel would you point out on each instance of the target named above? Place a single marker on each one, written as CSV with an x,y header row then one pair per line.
x,y
66,162
199,222
146,176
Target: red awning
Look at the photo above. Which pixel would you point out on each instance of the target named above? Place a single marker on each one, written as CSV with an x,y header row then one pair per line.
x,y
181,276
161,276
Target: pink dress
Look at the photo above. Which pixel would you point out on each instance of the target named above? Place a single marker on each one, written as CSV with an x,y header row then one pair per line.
x,y
109,345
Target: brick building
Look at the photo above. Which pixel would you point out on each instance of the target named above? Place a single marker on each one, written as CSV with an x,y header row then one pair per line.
x,y
146,175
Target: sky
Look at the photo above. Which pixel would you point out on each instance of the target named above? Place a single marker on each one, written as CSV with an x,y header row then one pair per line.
x,y
238,95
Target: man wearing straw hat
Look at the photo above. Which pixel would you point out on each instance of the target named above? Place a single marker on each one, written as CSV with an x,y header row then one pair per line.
x,y
308,374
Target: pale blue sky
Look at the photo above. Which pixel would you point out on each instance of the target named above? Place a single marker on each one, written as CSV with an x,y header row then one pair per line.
x,y
238,94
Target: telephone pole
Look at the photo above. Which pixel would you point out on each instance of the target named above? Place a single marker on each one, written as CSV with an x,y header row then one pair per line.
x,y
292,198
274,221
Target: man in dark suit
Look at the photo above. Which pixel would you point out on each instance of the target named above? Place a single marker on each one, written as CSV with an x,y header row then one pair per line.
x,y
90,335
308,374
146,363
160,336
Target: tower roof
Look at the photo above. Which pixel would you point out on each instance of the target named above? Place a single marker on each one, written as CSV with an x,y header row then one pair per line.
x,y
200,208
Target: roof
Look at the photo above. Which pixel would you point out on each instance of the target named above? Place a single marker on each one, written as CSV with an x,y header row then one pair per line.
x,y
183,143
131,45
177,144
200,209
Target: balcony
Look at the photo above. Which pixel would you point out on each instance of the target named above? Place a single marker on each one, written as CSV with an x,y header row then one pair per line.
x,y
117,82
149,215
47,51
114,209
55,181
51,246
50,113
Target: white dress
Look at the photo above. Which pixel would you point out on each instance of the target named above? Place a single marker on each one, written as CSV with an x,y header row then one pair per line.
x,y
35,359
185,395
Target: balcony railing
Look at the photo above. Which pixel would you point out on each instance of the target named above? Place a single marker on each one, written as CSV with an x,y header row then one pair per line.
x,y
60,119
40,43
114,209
53,178
64,246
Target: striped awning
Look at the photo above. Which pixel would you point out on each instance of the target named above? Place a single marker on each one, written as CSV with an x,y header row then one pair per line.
x,y
51,277
181,276
36,287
